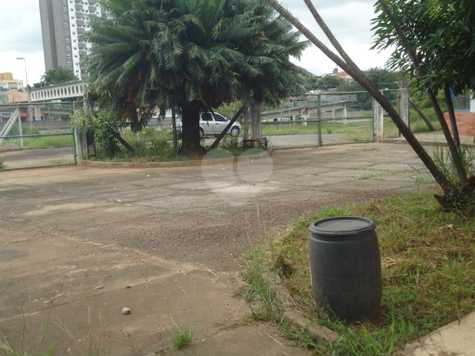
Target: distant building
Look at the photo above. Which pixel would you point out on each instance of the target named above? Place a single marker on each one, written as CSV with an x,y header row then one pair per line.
x,y
342,74
6,76
7,82
16,96
64,24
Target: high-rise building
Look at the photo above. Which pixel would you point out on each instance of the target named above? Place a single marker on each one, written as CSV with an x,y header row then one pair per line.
x,y
64,24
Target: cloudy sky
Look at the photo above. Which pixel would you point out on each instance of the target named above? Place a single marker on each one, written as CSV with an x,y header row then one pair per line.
x,y
20,35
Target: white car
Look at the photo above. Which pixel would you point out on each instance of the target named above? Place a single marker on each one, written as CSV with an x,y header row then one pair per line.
x,y
213,125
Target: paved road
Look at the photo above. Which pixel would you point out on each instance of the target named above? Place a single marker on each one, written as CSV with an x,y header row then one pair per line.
x,y
74,239
37,157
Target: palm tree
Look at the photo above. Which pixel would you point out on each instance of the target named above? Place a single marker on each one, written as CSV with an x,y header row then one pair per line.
x,y
122,69
191,54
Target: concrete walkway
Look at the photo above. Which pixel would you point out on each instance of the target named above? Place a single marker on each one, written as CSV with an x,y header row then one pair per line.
x,y
77,245
455,339
435,138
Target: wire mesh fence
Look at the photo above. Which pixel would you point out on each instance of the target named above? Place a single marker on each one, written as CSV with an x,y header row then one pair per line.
x,y
320,119
36,135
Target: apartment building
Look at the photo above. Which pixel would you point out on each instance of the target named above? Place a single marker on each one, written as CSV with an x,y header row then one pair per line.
x,y
64,24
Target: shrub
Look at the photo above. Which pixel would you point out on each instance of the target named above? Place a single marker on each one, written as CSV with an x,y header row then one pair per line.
x,y
106,126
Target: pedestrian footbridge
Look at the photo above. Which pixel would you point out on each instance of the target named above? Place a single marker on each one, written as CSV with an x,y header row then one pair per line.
x,y
71,90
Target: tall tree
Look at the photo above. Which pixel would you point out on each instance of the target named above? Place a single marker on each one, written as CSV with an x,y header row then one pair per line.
x,y
122,66
433,43
57,76
457,192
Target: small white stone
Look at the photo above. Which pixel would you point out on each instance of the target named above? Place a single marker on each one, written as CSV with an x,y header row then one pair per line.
x,y
126,311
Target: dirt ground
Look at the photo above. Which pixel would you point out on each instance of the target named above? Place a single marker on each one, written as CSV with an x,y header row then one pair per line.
x,y
79,244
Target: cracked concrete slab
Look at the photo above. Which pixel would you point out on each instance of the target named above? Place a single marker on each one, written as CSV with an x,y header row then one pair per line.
x,y
79,244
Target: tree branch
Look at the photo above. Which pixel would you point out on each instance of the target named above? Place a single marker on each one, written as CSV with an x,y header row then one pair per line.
x,y
373,90
453,119
228,127
454,151
422,115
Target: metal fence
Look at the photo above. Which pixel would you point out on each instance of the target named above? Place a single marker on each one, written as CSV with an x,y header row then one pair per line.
x,y
36,135
326,119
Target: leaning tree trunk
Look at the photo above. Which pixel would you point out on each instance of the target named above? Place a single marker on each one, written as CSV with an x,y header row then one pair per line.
x,y
422,115
359,77
452,116
454,150
191,129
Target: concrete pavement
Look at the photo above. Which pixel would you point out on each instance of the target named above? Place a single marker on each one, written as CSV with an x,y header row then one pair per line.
x,y
78,245
454,339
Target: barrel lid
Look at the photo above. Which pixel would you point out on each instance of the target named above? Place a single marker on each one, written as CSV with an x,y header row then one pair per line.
x,y
344,225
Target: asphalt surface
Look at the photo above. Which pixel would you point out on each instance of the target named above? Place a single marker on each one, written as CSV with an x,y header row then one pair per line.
x,y
80,244
207,215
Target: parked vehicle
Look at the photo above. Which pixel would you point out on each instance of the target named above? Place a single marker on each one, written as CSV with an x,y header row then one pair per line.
x,y
213,125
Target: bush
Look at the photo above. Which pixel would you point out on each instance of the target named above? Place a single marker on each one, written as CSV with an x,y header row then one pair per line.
x,y
106,126
461,200
150,143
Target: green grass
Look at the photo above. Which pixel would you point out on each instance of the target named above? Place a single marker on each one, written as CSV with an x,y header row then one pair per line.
x,y
182,337
41,142
7,350
155,146
428,274
353,131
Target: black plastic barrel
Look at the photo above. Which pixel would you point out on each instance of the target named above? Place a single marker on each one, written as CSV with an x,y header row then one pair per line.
x,y
346,267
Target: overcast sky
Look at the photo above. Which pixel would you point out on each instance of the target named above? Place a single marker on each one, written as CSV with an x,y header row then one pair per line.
x,y
20,35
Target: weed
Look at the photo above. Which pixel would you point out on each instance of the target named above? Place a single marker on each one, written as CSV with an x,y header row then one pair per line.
x,y
7,350
428,274
265,304
182,337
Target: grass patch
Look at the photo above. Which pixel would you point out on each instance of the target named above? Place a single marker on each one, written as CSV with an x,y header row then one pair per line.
x,y
41,142
428,274
7,350
182,337
156,146
358,131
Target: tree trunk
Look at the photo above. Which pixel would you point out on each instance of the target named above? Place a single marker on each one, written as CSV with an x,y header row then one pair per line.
x,y
246,124
191,129
358,76
174,132
454,150
123,142
228,127
134,119
452,117
422,115
253,115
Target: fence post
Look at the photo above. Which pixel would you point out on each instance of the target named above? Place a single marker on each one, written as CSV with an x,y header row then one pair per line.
x,y
404,105
378,119
20,130
75,146
319,113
